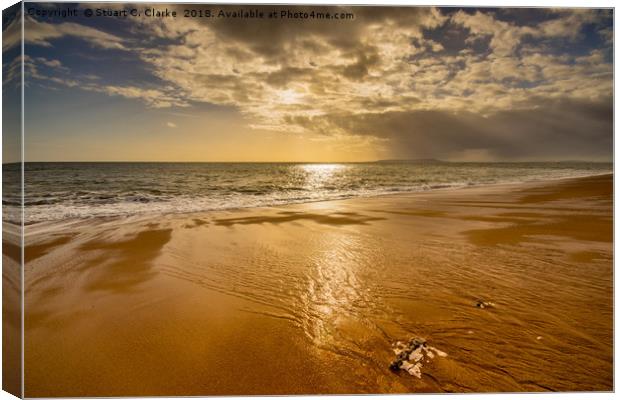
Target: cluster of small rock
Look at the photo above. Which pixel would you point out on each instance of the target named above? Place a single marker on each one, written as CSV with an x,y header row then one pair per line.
x,y
410,356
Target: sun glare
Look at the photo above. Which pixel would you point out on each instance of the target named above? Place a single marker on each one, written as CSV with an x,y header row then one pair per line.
x,y
322,168
318,175
289,96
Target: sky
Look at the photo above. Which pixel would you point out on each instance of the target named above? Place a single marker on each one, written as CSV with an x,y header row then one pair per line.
x,y
459,84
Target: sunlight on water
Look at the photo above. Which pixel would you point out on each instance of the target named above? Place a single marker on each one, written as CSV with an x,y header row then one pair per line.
x,y
320,175
322,170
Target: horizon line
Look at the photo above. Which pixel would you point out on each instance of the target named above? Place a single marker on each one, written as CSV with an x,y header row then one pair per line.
x,y
421,161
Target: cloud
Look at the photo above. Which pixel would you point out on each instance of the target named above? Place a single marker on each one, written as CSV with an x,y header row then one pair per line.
x,y
11,31
12,71
153,97
63,76
261,66
53,63
569,24
42,33
504,36
171,125
563,129
371,62
426,82
507,36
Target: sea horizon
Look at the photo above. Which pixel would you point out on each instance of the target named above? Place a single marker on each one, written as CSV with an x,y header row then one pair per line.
x,y
56,191
395,161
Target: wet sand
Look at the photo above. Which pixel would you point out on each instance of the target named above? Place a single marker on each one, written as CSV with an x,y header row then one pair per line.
x,y
11,309
311,298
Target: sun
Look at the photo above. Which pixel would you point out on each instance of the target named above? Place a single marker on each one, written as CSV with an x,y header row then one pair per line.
x,y
289,96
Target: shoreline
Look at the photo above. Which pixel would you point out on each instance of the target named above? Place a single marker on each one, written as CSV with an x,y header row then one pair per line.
x,y
146,216
336,284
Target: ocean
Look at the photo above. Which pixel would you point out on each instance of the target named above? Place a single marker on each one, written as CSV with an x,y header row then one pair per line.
x,y
61,191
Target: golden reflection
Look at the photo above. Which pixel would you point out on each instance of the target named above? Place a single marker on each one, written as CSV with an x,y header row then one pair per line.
x,y
333,289
320,175
322,168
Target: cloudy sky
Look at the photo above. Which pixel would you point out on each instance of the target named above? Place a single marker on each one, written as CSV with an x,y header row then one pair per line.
x,y
455,84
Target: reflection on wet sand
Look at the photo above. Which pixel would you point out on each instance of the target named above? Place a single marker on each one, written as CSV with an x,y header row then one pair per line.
x,y
333,291
236,304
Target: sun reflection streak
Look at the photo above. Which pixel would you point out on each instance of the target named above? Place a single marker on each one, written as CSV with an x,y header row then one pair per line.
x,y
332,291
320,175
322,167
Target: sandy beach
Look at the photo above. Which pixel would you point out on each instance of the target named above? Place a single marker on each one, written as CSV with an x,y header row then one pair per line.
x,y
11,306
512,282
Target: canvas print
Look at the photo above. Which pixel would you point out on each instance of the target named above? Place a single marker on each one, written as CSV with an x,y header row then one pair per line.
x,y
213,199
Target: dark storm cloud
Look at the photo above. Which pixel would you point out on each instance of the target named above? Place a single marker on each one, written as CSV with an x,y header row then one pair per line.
x,y
556,130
